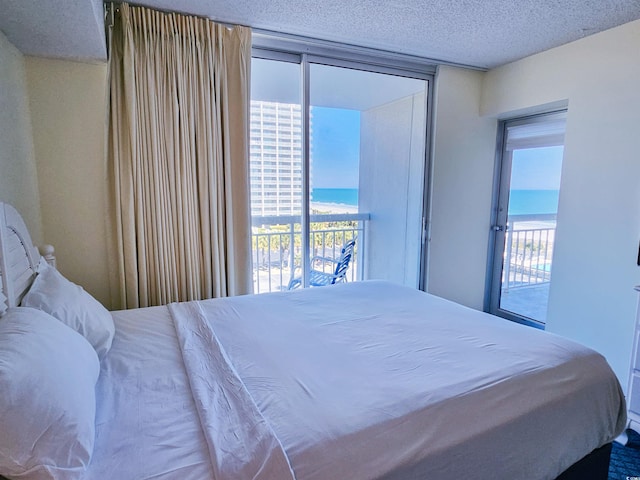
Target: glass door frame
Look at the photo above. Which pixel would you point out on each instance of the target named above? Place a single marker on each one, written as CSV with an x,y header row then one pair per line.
x,y
499,216
305,52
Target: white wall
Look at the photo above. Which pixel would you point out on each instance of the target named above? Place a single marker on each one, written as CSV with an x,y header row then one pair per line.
x,y
391,188
18,179
594,271
463,161
68,105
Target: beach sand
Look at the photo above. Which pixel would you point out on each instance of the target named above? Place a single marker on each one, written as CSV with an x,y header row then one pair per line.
x,y
333,207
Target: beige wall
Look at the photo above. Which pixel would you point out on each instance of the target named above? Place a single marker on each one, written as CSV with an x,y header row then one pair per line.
x,y
18,179
462,178
594,268
591,298
68,105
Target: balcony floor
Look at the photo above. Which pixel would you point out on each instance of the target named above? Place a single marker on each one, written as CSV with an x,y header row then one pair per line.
x,y
530,301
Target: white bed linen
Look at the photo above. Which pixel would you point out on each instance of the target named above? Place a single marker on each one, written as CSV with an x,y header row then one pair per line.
x,y
371,380
241,443
352,384
147,426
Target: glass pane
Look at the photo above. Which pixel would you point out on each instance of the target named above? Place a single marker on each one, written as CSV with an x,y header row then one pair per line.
x,y
533,205
275,172
367,173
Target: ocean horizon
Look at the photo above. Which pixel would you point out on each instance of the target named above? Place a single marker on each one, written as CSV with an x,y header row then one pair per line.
x,y
533,202
339,196
521,202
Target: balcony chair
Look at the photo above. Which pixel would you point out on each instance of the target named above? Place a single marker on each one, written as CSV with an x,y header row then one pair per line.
x,y
319,278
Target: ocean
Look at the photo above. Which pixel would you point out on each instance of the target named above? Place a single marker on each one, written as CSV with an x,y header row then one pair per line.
x,y
341,196
521,202
533,202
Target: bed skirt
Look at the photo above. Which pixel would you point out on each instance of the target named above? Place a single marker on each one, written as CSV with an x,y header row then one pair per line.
x,y
594,466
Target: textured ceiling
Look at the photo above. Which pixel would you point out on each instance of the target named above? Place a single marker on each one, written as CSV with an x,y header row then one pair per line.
x,y
480,33
72,29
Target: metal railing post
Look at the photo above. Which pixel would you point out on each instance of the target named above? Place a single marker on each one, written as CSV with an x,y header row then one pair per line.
x,y
532,268
292,251
328,233
507,260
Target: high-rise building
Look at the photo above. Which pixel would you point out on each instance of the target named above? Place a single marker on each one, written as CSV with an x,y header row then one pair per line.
x,y
276,158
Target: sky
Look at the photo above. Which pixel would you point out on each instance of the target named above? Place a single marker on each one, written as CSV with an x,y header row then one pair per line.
x,y
336,153
536,168
335,147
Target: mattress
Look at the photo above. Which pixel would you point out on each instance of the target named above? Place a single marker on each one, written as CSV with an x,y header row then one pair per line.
x,y
359,381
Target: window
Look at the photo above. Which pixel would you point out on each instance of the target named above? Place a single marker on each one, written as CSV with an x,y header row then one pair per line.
x,y
349,144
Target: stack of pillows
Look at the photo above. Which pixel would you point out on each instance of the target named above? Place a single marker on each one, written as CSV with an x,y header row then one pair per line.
x,y
50,352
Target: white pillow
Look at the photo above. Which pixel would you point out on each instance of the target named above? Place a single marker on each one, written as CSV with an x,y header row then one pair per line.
x,y
48,375
70,304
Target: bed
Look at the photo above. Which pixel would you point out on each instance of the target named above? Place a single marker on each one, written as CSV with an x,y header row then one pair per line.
x,y
367,380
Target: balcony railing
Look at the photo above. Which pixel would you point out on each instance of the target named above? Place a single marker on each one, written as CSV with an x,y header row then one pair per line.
x,y
528,251
277,246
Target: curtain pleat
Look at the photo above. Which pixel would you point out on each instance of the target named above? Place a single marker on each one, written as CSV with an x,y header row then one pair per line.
x,y
179,156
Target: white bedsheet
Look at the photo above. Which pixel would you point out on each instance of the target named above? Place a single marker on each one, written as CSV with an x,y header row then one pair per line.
x,y
371,380
240,441
147,426
352,380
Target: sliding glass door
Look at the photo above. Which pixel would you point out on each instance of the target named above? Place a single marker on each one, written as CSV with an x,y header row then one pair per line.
x,y
531,164
276,177
337,157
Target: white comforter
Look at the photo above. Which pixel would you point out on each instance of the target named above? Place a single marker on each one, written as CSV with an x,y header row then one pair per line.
x,y
359,381
372,380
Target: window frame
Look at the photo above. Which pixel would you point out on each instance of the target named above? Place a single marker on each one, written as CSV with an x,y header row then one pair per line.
x,y
304,52
499,214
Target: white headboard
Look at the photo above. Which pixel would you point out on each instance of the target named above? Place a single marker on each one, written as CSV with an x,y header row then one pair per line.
x,y
18,258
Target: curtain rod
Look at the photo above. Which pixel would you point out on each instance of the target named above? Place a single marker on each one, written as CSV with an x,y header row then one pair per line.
x,y
274,40
113,6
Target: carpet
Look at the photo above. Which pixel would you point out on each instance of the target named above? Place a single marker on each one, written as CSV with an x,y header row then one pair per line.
x,y
625,459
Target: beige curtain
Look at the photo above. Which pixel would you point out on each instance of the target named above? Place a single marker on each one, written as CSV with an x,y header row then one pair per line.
x,y
178,153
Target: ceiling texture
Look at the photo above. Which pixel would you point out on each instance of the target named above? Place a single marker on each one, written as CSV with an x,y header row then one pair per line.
x,y
477,33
